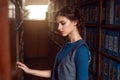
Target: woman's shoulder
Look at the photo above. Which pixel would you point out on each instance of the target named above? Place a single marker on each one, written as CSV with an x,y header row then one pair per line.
x,y
82,51
82,48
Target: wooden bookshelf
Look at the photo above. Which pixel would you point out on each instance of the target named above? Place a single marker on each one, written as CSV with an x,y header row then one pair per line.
x,y
84,3
5,67
109,28
12,42
91,25
111,57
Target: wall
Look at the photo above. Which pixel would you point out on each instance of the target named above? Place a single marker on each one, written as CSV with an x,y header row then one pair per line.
x,y
35,38
36,46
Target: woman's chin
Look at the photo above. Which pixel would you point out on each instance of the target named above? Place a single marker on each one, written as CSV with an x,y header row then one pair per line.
x,y
64,35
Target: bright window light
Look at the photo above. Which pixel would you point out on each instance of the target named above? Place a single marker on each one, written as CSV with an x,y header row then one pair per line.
x,y
37,12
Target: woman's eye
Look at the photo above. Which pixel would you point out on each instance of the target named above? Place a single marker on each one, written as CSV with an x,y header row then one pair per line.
x,y
62,23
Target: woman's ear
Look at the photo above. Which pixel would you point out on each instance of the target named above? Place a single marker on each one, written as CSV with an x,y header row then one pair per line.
x,y
75,22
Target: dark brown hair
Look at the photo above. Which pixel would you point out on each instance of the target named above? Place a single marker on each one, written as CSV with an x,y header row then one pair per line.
x,y
72,13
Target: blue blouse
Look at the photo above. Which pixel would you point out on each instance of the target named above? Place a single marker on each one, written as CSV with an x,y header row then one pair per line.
x,y
81,59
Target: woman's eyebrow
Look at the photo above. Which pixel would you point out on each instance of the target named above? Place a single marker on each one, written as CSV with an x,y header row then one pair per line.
x,y
61,21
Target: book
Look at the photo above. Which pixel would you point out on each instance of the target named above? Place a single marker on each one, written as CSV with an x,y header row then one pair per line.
x,y
109,12
117,12
116,43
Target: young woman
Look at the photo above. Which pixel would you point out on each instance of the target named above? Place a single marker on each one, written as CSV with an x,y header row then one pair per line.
x,y
72,61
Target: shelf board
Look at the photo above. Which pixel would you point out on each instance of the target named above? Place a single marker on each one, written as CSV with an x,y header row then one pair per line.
x,y
111,27
111,57
89,2
91,25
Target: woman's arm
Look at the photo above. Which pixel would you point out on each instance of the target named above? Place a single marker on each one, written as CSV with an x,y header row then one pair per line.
x,y
40,73
82,63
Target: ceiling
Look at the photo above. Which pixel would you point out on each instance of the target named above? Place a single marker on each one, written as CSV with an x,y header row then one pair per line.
x,y
36,2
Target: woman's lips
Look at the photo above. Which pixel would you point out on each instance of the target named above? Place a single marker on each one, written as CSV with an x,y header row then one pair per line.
x,y
61,32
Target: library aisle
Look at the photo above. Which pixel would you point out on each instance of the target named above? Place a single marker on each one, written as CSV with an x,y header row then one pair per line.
x,y
36,42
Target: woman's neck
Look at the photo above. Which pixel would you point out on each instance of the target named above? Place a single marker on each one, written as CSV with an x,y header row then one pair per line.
x,y
74,36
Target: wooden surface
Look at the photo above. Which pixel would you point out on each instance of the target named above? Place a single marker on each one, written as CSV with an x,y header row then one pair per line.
x,y
5,69
35,38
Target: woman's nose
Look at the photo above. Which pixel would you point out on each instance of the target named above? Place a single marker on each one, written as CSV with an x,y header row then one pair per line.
x,y
59,27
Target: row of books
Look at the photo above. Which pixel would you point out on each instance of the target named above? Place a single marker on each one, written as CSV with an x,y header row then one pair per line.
x,y
111,12
91,37
18,14
19,44
92,77
15,13
111,42
52,26
110,70
51,16
93,62
90,13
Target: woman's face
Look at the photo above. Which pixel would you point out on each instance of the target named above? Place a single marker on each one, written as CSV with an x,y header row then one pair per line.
x,y
65,26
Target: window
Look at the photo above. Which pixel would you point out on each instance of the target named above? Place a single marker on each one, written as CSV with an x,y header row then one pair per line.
x,y
36,12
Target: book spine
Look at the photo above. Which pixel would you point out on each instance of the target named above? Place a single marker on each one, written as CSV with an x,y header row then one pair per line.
x,y
117,12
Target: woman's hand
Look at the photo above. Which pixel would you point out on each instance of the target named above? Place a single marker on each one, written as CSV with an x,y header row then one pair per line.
x,y
40,73
23,67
